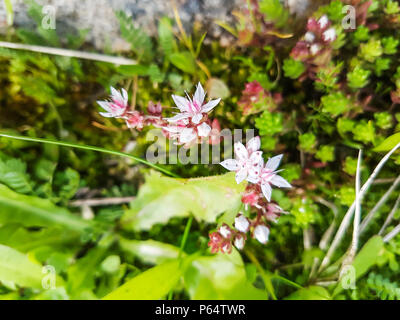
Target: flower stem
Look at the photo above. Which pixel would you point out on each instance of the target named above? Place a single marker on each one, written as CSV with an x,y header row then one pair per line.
x,y
92,148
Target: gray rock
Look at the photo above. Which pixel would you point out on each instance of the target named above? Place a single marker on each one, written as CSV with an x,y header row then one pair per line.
x,y
98,15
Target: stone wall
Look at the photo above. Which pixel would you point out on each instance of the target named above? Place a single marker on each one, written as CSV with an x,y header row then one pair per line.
x,y
98,15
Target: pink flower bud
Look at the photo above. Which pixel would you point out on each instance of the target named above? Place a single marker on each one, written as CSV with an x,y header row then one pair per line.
x,y
154,109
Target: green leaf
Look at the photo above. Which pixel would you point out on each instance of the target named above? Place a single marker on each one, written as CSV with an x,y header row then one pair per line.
x,y
274,11
389,143
166,35
17,268
162,198
13,174
183,61
33,211
140,42
221,276
293,69
150,251
153,284
310,293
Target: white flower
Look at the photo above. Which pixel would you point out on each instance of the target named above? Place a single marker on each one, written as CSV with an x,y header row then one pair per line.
x,y
315,49
117,107
248,162
193,108
225,231
309,36
242,224
323,21
268,177
329,35
261,233
239,242
203,130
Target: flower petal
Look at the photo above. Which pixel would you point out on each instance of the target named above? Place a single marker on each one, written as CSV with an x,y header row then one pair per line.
x,y
266,190
241,151
177,117
181,102
105,105
124,95
273,163
256,158
197,118
203,130
199,95
253,145
230,164
187,135
116,95
210,105
280,182
241,175
107,114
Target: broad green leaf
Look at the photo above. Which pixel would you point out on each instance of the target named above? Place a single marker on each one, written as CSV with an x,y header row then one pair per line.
x,y
365,259
221,276
162,198
389,143
150,251
183,61
153,284
310,293
18,237
17,268
32,211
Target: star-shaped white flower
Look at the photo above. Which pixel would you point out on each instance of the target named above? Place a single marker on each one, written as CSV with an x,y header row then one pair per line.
x,y
193,108
117,106
248,162
269,177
